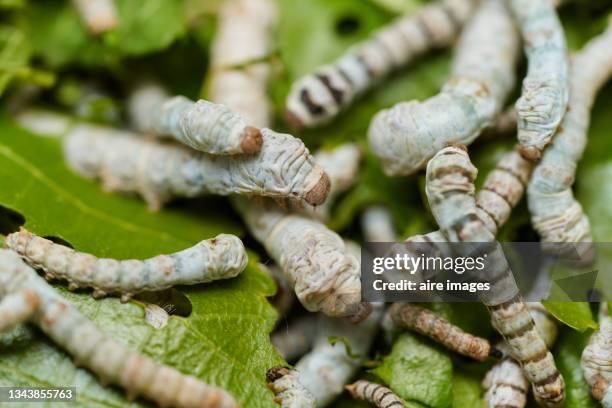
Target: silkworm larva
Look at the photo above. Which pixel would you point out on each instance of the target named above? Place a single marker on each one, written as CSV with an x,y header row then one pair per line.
x,y
202,125
221,257
450,191
596,360
428,323
555,213
377,225
318,97
376,394
239,72
328,368
16,308
295,340
314,259
289,392
545,88
406,136
107,358
98,15
159,172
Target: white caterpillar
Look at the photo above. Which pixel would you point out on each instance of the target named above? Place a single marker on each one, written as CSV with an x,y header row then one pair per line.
x,y
450,191
596,359
16,308
159,172
406,136
377,225
288,391
202,125
294,341
221,257
104,356
376,394
98,15
320,96
555,213
314,259
239,72
545,88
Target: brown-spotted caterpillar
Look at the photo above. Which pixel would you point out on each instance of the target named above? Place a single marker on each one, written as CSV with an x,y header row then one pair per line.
x,y
596,361
288,391
205,126
110,360
318,97
98,15
375,394
407,135
450,191
221,257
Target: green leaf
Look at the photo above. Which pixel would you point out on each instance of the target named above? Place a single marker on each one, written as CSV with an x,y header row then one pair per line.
x,y
467,391
576,315
418,371
225,340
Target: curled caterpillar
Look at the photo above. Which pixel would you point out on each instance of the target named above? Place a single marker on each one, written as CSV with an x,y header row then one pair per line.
x,y
221,257
428,323
16,308
407,135
314,259
101,354
159,172
288,391
377,225
596,361
376,394
239,69
545,88
98,15
555,213
318,97
295,340
202,125
450,191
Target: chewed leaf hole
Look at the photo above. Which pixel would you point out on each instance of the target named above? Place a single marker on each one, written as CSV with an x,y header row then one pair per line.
x,y
172,301
347,25
59,241
10,220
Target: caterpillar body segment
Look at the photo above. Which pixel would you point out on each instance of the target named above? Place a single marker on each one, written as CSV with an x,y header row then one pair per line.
x,y
377,225
555,213
375,394
505,386
289,392
428,323
110,360
160,172
407,135
545,90
596,360
314,259
16,308
450,191
221,257
98,15
318,97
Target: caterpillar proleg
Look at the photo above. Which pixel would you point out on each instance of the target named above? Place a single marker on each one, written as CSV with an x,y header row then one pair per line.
x,y
545,88
110,360
555,213
221,257
98,15
376,394
16,308
596,361
407,135
318,97
289,392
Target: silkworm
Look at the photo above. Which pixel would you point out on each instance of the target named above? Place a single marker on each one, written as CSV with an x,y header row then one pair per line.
x,y
314,259
377,225
450,191
327,368
98,15
295,340
159,172
555,213
239,69
407,135
596,361
205,126
545,90
16,308
376,394
289,392
318,97
428,323
221,257
110,360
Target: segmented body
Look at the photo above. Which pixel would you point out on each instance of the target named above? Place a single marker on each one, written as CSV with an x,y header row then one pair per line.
x,y
545,88
160,172
16,308
555,213
376,394
221,257
98,15
110,360
450,191
289,392
407,135
318,97
596,360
